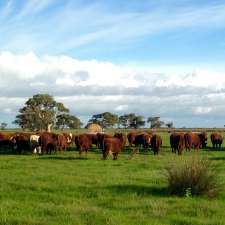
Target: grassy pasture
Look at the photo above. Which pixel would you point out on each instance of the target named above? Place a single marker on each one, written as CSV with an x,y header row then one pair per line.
x,y
65,189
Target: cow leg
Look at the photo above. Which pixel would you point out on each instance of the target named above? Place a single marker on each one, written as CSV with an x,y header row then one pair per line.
x,y
115,155
105,155
39,150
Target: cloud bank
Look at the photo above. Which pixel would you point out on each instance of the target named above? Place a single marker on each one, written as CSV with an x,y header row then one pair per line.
x,y
192,98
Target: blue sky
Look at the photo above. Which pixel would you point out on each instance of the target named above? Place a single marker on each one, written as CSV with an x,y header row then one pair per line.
x,y
164,31
128,49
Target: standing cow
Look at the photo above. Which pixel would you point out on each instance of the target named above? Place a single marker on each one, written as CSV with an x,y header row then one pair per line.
x,y
101,137
156,143
113,145
22,142
35,144
48,142
216,140
83,143
203,137
143,139
131,137
6,142
177,142
192,140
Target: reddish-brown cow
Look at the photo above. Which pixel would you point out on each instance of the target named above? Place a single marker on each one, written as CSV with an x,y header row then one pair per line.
x,y
83,143
113,145
62,142
156,143
177,142
22,142
101,137
131,137
143,139
48,142
192,140
6,142
216,140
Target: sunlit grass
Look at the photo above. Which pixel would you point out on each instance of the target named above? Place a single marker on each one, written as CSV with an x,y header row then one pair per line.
x,y
66,189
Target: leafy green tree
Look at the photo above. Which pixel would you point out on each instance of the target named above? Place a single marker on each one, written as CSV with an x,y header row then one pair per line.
x,y
3,126
137,122
131,121
169,124
40,113
105,119
124,121
67,121
155,122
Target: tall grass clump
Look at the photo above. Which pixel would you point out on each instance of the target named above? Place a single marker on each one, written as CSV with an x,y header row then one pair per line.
x,y
192,177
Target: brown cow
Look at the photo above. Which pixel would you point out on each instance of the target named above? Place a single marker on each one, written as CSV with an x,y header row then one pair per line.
x,y
83,143
101,137
113,145
143,139
6,142
69,138
216,140
131,137
48,142
203,137
156,142
94,139
62,142
177,142
192,140
22,142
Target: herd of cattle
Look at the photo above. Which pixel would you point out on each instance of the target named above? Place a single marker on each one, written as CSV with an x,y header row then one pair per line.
x,y
46,143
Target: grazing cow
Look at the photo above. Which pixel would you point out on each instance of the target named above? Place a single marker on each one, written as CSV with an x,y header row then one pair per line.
x,y
216,140
62,142
48,142
177,142
131,138
143,139
22,141
34,144
101,137
69,138
6,142
156,142
113,145
203,137
93,138
83,143
192,140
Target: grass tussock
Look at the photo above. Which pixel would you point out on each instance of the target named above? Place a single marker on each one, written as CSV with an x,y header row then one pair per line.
x,y
193,176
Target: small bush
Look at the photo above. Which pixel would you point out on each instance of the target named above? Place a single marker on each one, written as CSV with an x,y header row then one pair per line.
x,y
192,177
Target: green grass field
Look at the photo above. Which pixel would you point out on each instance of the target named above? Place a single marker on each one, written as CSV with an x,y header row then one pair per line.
x,y
65,189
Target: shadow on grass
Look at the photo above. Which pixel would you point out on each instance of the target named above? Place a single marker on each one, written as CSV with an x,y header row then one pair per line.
x,y
139,190
211,149
217,158
61,158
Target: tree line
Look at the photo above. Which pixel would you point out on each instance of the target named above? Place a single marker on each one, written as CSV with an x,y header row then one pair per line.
x,y
42,113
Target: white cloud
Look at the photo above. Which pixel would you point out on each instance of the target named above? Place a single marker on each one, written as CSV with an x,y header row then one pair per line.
x,y
28,28
89,87
199,78
202,110
121,108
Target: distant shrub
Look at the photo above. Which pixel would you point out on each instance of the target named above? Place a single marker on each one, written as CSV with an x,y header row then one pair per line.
x,y
192,177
